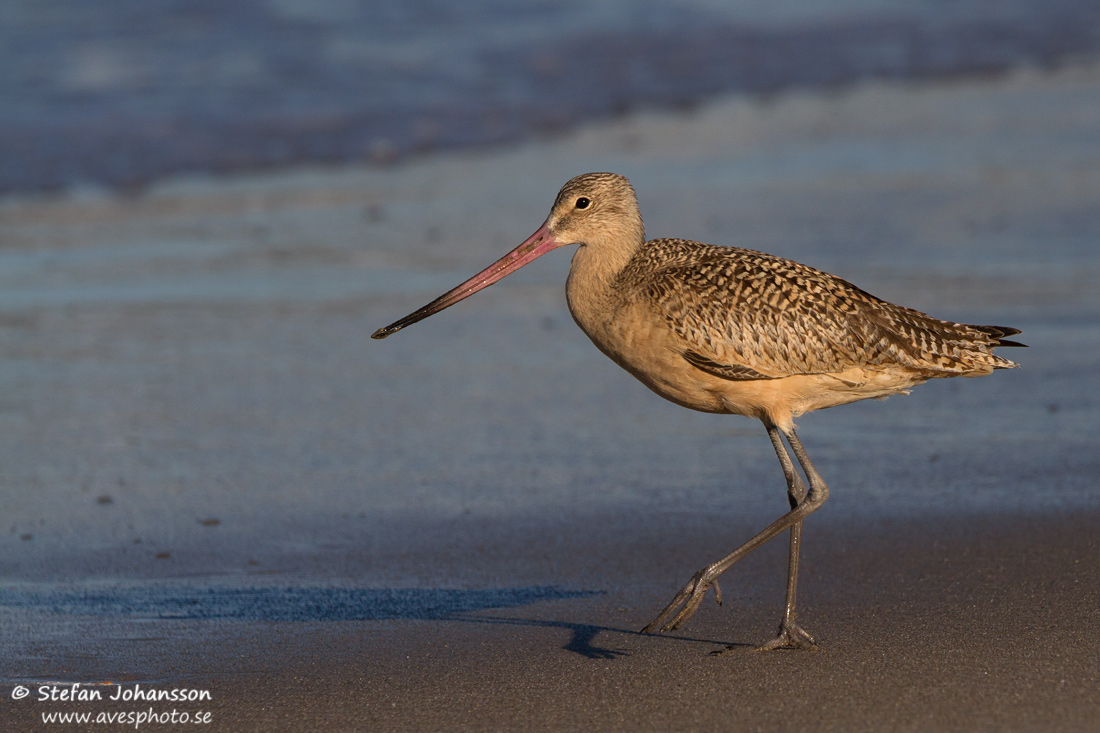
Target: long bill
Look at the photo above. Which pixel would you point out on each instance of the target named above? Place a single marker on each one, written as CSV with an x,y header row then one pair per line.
x,y
534,247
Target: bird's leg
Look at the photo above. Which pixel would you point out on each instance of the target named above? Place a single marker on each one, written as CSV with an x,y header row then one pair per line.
x,y
791,635
690,597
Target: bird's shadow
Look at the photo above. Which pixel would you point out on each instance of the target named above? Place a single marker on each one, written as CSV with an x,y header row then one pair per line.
x,y
318,604
583,636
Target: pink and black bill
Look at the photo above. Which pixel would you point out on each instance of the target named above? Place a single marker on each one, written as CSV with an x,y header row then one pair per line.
x,y
538,244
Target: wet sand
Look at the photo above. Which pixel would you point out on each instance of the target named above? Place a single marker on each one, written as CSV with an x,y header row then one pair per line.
x,y
214,480
983,624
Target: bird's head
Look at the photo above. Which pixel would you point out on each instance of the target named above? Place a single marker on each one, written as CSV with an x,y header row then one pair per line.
x,y
597,210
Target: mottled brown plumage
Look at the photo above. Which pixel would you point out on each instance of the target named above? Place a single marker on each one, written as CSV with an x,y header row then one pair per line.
x,y
729,330
780,318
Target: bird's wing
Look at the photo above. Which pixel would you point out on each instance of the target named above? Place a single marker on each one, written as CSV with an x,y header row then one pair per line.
x,y
734,372
741,314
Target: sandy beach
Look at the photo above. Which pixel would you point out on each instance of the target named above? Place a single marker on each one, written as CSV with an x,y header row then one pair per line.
x,y
216,481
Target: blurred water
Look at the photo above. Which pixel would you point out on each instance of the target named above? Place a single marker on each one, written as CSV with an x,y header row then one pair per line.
x,y
118,92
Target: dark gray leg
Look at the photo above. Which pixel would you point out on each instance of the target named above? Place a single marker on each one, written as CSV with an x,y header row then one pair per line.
x,y
803,503
791,635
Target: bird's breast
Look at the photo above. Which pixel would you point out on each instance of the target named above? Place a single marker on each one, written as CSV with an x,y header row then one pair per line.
x,y
634,336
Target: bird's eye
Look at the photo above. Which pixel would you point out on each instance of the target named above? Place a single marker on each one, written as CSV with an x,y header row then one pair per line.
x,y
582,203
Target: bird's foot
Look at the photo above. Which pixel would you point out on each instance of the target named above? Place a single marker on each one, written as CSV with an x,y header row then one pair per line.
x,y
791,636
690,597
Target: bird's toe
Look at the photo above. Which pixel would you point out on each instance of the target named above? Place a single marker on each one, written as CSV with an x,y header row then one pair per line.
x,y
791,636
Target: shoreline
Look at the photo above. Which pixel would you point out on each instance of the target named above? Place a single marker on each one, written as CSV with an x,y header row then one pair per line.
x,y
215,480
950,625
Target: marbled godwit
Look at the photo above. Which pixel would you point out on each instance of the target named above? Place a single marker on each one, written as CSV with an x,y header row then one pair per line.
x,y
729,330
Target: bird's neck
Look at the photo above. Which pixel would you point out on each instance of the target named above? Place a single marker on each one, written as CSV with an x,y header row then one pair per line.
x,y
591,288
597,264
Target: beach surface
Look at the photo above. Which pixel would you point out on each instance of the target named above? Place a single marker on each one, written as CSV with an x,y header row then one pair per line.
x,y
216,481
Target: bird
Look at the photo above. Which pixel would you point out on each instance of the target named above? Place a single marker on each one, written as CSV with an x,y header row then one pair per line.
x,y
727,330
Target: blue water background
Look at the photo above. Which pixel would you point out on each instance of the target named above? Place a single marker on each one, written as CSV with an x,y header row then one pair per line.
x,y
120,92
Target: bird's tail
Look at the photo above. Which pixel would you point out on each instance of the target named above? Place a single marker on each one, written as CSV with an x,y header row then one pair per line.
x,y
997,338
998,333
